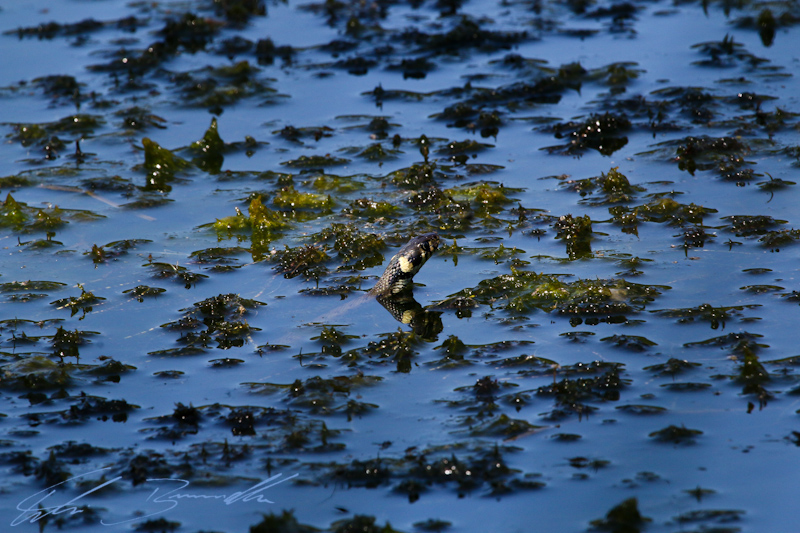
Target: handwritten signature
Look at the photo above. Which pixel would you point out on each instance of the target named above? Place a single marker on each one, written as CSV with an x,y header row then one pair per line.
x,y
165,497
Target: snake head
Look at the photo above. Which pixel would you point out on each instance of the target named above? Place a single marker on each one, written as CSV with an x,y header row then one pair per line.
x,y
406,263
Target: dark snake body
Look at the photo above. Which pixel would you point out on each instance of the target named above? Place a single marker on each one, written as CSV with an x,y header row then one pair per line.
x,y
405,264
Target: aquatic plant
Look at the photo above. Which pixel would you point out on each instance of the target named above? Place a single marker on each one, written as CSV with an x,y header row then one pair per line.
x,y
622,517
598,132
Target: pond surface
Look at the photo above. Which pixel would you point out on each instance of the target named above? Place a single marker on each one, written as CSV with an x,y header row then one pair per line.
x,y
197,196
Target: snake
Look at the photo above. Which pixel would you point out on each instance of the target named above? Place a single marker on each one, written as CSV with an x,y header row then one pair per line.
x,y
394,289
405,264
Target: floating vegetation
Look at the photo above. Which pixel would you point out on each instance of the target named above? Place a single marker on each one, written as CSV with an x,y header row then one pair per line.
x,y
705,153
522,291
307,261
466,33
483,469
161,166
485,197
598,132
31,285
605,189
749,226
39,374
323,396
726,53
398,347
676,435
716,316
576,232
220,87
356,249
622,517
140,292
316,161
83,303
155,119
263,224
209,151
180,273
572,395
21,218
217,319
738,343
672,367
753,376
291,199
637,409
113,250
634,343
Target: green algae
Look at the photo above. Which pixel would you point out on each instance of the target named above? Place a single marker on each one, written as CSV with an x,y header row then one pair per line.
x,y
338,184
672,367
140,292
576,232
137,118
322,396
189,32
605,189
371,209
161,166
503,426
622,517
356,249
294,134
220,87
479,470
220,259
522,291
180,273
501,254
633,343
35,374
315,161
676,435
263,223
113,250
661,210
221,317
575,395
83,303
598,132
27,134
209,150
307,261
726,53
416,176
705,153
20,217
291,199
398,347
751,225
283,523
716,316
486,197
31,285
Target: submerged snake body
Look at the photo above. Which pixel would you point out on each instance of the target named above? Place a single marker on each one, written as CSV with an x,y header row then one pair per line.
x,y
405,264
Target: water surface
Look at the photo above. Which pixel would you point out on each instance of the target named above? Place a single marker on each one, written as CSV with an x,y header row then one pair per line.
x,y
197,195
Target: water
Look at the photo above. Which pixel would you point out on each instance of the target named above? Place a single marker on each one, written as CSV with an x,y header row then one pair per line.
x,y
577,378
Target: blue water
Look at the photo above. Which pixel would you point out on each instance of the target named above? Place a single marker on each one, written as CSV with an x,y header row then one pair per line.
x,y
744,460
